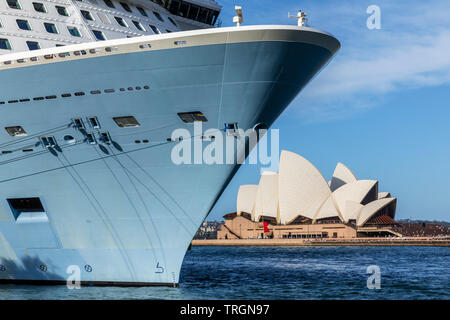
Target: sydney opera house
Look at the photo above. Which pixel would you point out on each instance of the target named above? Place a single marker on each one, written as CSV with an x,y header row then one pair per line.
x,y
298,202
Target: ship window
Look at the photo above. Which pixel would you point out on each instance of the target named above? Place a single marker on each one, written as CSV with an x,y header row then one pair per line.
x,y
109,3
158,16
172,21
39,7
168,31
33,45
138,25
4,44
203,15
13,4
16,131
189,117
74,31
93,122
128,121
121,22
193,12
90,138
174,5
183,9
87,15
26,205
50,27
62,11
155,29
23,24
142,11
99,35
126,7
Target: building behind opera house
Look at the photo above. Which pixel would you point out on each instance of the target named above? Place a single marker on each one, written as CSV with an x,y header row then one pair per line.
x,y
298,202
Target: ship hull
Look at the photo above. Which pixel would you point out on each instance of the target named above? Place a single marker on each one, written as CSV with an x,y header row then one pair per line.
x,y
123,212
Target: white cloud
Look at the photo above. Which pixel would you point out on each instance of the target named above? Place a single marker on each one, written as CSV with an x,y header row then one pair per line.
x,y
411,51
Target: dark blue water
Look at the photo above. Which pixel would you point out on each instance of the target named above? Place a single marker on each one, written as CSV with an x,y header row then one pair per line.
x,y
283,273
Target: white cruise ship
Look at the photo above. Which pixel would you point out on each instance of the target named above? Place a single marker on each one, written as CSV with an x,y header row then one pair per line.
x,y
90,93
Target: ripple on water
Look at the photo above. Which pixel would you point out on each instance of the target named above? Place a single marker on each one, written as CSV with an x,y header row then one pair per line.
x,y
283,273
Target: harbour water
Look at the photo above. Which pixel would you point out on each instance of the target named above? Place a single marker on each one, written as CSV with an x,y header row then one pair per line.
x,y
283,273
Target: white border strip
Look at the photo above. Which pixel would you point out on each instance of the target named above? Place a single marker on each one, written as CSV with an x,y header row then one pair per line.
x,y
171,41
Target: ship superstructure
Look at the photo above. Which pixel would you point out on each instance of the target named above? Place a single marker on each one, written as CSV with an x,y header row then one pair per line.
x,y
32,25
86,177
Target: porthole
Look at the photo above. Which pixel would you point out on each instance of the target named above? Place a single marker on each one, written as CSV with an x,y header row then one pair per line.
x,y
16,131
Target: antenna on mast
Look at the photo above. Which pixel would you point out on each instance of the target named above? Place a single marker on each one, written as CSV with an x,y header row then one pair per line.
x,y
301,18
240,17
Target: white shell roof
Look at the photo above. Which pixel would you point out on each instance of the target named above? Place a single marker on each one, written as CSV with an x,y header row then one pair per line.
x,y
267,196
355,191
372,208
301,186
342,175
246,198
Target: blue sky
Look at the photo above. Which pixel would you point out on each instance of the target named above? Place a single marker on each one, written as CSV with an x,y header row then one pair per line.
x,y
382,106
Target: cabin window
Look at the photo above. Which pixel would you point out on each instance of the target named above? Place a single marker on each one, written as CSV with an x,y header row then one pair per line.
x,y
109,3
189,117
172,21
13,4
39,7
16,131
158,16
142,11
50,27
99,35
93,122
155,29
125,6
87,15
26,205
128,121
74,31
193,12
33,45
183,9
62,11
4,44
23,24
203,15
121,22
138,25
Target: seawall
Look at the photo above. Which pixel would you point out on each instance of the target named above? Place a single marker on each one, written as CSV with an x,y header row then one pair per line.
x,y
424,242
